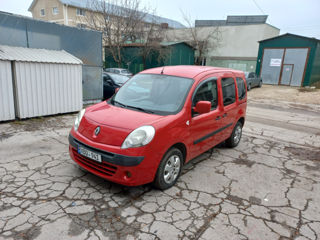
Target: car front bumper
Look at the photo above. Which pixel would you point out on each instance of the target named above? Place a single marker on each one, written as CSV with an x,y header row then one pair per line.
x,y
122,169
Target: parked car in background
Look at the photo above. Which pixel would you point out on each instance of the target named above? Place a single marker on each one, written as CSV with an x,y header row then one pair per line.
x,y
253,80
120,71
134,139
111,81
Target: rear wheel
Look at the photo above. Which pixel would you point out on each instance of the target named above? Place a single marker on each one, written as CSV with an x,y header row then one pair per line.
x,y
169,169
235,137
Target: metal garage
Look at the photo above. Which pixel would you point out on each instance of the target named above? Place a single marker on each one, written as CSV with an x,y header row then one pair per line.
x,y
289,60
43,82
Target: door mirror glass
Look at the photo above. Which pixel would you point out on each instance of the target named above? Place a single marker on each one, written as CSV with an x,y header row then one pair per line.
x,y
202,107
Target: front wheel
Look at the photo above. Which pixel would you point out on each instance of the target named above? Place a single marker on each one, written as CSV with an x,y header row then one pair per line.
x,y
169,169
260,84
235,137
249,87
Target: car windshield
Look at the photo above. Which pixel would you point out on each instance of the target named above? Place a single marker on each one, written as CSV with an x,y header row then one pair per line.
x,y
159,94
125,71
119,79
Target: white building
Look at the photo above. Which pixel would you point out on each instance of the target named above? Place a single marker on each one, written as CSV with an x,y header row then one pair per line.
x,y
238,36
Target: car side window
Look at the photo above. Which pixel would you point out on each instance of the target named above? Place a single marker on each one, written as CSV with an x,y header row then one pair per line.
x,y
228,91
251,75
241,88
207,92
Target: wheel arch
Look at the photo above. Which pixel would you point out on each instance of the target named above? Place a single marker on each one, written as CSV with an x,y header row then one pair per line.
x,y
182,147
241,120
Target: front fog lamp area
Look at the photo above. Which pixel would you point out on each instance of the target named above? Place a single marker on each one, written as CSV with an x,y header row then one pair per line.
x,y
139,137
78,119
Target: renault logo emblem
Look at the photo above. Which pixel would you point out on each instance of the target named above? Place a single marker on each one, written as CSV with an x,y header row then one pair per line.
x,y
97,131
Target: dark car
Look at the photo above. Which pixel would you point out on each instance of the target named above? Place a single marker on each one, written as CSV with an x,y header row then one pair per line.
x,y
112,81
253,80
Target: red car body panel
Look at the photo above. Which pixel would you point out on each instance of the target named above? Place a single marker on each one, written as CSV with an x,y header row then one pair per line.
x,y
197,134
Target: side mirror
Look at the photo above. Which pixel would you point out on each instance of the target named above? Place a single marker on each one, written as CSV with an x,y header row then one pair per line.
x,y
202,107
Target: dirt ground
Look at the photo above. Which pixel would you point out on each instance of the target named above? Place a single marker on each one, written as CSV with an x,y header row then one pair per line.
x,y
284,93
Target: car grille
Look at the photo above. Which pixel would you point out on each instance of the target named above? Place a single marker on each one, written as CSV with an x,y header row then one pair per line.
x,y
103,167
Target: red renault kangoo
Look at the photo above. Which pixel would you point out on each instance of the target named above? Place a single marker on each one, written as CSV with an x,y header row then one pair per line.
x,y
159,120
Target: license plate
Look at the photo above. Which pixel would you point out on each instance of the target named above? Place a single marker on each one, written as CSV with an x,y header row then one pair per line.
x,y
89,154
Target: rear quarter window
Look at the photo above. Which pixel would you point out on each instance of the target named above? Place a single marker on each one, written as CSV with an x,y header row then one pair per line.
x,y
228,91
241,88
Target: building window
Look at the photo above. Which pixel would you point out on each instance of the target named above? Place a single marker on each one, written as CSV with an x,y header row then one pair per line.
x,y
55,10
81,12
228,91
42,12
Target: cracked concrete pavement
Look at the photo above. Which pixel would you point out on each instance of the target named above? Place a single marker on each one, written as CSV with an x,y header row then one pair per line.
x,y
266,188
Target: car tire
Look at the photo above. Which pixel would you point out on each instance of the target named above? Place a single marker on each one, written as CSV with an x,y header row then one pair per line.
x,y
249,87
235,137
169,169
260,84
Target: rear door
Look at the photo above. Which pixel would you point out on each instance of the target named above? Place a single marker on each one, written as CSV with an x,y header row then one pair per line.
x,y
205,128
229,104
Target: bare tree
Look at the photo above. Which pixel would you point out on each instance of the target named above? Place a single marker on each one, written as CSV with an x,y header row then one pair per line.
x,y
118,20
152,35
123,23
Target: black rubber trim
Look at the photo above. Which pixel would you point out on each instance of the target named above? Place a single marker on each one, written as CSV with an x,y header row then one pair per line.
x,y
211,134
109,157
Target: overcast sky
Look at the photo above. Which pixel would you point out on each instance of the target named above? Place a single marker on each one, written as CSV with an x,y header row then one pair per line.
x,y
295,16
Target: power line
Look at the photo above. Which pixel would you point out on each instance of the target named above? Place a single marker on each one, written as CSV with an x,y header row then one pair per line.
x,y
257,5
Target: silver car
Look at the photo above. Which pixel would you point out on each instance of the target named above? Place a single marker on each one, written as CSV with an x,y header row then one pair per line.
x,y
121,71
252,80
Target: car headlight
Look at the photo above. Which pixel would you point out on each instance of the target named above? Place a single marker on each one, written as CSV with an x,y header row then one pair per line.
x,y
78,119
139,137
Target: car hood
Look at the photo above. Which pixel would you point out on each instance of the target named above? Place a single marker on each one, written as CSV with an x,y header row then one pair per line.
x,y
115,123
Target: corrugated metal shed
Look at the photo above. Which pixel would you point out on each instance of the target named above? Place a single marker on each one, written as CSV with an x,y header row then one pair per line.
x,y
45,82
6,92
36,55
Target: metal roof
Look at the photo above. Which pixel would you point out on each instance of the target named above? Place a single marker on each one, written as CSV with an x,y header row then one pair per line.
x,y
290,34
92,5
233,21
22,54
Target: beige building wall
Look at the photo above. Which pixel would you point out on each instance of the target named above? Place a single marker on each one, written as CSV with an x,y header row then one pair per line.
x,y
67,14
48,6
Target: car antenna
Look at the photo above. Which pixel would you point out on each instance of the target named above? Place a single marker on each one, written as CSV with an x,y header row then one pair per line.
x,y
162,70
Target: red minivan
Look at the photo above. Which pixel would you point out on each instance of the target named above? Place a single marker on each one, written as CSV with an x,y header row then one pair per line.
x,y
159,120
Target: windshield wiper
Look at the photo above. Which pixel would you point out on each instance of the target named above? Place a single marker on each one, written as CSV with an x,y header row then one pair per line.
x,y
140,109
120,104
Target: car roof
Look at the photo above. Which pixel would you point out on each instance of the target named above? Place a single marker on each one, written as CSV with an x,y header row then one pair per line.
x,y
188,71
